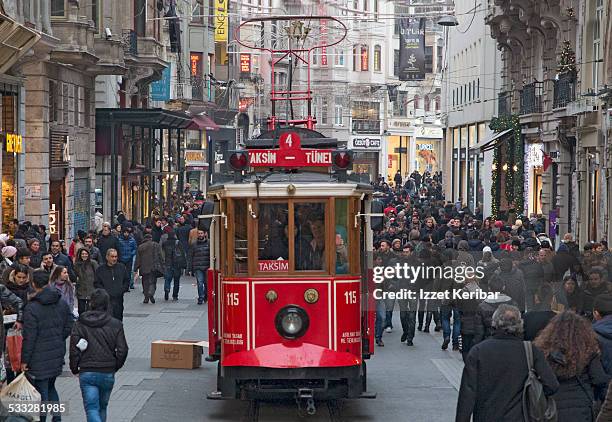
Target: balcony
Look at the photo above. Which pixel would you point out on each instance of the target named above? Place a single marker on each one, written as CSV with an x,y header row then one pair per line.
x,y
531,98
564,90
367,127
504,104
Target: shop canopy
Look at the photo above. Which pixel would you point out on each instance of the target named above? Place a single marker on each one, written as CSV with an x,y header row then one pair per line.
x,y
157,118
202,122
15,41
490,141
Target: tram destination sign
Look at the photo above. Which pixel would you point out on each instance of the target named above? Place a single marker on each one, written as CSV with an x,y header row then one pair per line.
x,y
290,154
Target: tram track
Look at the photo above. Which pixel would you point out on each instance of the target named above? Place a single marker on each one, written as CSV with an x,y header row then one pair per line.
x,y
334,412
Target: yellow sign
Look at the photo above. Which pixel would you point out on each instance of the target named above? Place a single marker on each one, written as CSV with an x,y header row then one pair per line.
x,y
221,27
14,143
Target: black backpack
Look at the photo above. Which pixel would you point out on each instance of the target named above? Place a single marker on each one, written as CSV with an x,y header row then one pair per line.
x,y
536,406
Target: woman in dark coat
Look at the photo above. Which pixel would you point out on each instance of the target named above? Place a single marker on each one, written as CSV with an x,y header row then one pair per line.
x,y
85,270
571,349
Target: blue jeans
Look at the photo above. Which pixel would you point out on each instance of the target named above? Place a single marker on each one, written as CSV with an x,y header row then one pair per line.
x,y
200,276
172,274
48,393
380,319
445,315
96,388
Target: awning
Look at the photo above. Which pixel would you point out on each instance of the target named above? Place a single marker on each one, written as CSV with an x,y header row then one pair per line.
x,y
202,122
490,141
15,41
156,118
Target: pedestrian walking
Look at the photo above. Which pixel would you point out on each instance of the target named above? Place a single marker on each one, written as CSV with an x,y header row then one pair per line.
x,y
482,395
21,258
47,322
175,262
115,279
149,264
85,270
127,251
570,347
106,240
199,261
60,280
98,349
483,323
538,318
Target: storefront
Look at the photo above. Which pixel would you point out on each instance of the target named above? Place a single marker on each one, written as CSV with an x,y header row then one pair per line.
x,y
467,169
533,171
196,167
366,154
397,146
427,155
59,161
12,148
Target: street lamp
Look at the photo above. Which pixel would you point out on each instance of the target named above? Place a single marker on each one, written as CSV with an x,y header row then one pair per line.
x,y
448,21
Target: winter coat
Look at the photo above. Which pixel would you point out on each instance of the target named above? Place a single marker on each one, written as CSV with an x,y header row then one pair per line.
x,y
476,245
105,243
182,234
589,294
482,395
7,272
86,277
535,321
603,329
484,316
200,255
47,322
533,273
514,285
107,348
115,280
605,415
36,259
127,249
174,255
467,310
9,299
149,257
575,396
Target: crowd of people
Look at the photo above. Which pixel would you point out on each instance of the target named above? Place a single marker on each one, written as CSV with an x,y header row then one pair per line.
x,y
556,297
78,292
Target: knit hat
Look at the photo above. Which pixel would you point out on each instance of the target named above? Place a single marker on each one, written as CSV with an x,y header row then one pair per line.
x,y
9,251
487,249
603,304
4,237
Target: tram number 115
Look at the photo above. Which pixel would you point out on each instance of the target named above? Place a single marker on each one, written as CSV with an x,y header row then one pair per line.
x,y
351,297
232,299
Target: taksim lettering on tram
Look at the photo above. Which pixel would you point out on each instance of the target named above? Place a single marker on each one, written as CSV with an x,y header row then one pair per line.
x,y
290,154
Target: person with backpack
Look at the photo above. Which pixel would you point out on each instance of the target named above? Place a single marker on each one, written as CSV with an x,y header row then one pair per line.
x,y
483,395
98,349
570,347
174,263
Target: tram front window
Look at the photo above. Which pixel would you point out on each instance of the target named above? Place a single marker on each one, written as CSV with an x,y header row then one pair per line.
x,y
309,222
272,232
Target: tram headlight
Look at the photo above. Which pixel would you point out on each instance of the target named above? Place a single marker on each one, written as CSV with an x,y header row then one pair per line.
x,y
292,322
238,160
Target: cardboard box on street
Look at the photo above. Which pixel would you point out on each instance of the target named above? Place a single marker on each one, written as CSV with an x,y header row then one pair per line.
x,y
176,354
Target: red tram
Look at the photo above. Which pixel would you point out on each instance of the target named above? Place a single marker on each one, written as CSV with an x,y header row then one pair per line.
x,y
291,312
290,309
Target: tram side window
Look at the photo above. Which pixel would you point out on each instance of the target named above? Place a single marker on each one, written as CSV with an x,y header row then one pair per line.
x,y
309,220
241,248
342,240
273,241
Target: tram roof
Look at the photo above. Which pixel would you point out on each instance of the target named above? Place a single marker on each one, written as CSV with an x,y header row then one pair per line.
x,y
325,182
309,138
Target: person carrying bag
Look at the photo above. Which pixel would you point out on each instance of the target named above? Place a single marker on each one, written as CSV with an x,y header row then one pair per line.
x,y
537,407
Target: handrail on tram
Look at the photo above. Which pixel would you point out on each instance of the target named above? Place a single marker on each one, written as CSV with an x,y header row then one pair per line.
x,y
212,216
373,214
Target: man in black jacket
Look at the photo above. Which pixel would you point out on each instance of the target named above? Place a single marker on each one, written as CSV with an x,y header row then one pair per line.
x,y
47,322
115,279
98,349
199,261
106,241
501,357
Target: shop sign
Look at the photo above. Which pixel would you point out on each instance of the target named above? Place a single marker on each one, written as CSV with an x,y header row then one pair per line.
x,y
400,125
221,20
195,159
32,191
425,147
364,142
53,220
535,155
245,63
428,132
290,154
14,143
390,165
